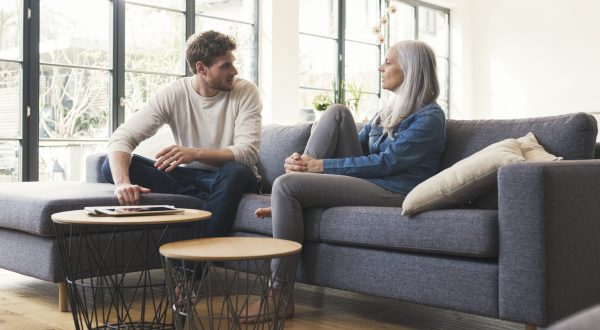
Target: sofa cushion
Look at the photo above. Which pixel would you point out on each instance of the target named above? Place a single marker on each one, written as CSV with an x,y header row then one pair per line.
x,y
572,136
464,232
27,206
464,180
276,144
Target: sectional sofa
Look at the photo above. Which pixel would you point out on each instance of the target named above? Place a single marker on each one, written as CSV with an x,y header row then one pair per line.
x,y
526,251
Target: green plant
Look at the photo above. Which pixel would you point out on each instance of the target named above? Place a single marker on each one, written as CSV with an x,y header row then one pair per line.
x,y
321,102
356,91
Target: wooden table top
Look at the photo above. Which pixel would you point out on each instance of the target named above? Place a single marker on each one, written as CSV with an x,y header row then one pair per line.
x,y
81,217
229,248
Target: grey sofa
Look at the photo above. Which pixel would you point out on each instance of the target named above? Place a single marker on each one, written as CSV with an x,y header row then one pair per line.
x,y
525,252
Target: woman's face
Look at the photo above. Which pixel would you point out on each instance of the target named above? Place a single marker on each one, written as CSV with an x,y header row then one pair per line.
x,y
392,75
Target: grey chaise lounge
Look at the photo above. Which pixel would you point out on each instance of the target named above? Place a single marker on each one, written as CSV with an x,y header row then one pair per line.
x,y
533,259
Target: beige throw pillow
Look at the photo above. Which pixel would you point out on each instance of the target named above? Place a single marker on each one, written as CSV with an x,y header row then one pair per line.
x,y
463,181
533,151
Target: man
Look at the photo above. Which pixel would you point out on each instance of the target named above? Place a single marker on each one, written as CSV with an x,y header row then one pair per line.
x,y
216,122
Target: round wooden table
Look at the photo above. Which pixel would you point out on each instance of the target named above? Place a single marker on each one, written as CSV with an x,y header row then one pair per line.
x,y
212,281
107,262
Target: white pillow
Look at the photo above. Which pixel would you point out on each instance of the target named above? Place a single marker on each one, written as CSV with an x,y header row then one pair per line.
x,y
464,180
533,151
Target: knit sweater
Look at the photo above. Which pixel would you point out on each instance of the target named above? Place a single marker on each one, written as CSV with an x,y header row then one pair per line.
x,y
229,119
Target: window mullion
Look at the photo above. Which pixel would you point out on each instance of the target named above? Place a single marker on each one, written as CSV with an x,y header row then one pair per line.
x,y
118,64
341,50
190,25
31,84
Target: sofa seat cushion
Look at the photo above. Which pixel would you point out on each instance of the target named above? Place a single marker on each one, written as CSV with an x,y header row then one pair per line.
x,y
28,206
461,232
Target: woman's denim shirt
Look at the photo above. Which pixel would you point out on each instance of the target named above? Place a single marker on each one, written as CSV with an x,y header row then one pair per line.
x,y
400,160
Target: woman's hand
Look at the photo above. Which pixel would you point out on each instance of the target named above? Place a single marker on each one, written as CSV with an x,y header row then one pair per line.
x,y
304,163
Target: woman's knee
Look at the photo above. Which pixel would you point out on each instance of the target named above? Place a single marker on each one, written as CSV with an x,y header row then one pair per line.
x,y
287,184
339,111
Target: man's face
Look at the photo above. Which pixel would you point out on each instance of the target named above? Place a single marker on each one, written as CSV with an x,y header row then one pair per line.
x,y
220,74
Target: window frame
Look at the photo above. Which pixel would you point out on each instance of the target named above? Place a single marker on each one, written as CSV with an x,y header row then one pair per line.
x,y
340,40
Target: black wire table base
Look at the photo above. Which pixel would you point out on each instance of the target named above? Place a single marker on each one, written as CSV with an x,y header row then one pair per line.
x,y
109,278
209,295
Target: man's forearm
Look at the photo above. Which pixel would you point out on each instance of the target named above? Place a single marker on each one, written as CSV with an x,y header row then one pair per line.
x,y
119,166
216,157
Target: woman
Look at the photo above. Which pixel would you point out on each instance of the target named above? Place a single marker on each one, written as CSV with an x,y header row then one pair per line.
x,y
400,148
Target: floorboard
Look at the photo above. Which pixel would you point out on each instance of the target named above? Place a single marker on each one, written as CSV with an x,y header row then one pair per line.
x,y
31,304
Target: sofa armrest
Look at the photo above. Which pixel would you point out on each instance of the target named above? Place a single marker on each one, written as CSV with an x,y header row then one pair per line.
x,y
93,164
549,237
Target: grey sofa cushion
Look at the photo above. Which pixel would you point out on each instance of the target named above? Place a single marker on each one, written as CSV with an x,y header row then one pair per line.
x,y
28,206
571,136
472,233
277,143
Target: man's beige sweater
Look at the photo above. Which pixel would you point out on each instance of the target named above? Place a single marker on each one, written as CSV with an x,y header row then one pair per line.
x,y
227,120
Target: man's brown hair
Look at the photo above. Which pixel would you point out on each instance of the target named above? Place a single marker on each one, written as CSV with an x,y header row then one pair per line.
x,y
206,46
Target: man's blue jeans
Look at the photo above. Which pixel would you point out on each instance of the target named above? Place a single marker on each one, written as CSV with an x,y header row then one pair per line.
x,y
222,190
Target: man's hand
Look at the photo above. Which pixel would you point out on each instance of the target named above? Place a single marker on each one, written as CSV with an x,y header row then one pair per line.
x,y
168,158
304,163
129,194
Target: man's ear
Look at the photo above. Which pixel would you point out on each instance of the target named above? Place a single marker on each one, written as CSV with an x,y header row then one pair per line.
x,y
201,68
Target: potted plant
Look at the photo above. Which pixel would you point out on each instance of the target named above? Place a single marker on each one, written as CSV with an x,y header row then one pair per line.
x,y
356,91
320,103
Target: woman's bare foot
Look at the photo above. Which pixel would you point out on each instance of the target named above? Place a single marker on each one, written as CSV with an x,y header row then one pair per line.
x,y
263,212
250,314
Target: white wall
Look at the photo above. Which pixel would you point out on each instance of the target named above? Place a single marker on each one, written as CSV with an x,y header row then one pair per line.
x,y
525,58
279,63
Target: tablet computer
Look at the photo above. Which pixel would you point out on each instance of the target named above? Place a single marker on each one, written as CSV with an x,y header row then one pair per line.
x,y
117,211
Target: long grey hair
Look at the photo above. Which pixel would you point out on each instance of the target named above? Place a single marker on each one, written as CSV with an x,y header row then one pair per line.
x,y
420,86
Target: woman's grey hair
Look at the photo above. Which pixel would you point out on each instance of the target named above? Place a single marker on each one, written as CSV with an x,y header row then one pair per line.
x,y
420,86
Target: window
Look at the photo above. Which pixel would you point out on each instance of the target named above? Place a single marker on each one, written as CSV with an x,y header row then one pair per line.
x,y
74,84
98,61
11,62
319,46
238,19
154,55
328,57
428,23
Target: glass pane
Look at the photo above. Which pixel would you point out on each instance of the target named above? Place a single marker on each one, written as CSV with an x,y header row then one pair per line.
x,y
318,65
139,87
362,62
319,17
171,4
65,160
244,38
74,32
361,17
442,71
239,10
154,40
11,29
74,103
402,22
307,96
434,29
10,100
365,108
10,153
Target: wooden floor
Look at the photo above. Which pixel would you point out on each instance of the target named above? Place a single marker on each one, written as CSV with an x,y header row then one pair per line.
x,y
30,304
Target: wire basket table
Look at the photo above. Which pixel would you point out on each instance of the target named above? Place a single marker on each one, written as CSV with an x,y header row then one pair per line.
x,y
107,263
213,281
